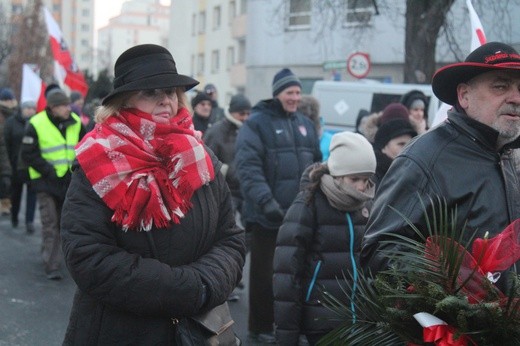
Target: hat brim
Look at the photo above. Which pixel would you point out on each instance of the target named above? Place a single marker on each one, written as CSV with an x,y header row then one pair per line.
x,y
446,79
162,81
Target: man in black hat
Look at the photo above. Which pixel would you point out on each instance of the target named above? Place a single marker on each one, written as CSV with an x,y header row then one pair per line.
x,y
221,138
467,160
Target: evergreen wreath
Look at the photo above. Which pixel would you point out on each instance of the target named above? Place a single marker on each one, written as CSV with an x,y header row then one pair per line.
x,y
438,291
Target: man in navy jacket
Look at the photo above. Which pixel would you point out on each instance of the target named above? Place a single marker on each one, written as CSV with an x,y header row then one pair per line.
x,y
273,148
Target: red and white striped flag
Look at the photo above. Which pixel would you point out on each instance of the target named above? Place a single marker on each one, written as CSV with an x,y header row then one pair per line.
x,y
65,69
478,38
33,88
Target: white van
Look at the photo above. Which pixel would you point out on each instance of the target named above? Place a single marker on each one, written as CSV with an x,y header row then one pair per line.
x,y
340,102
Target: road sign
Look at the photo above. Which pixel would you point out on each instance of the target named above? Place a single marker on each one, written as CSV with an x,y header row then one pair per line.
x,y
358,64
334,65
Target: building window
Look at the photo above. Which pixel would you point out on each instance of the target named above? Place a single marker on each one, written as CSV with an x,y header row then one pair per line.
x,y
230,57
358,12
194,25
85,12
232,10
299,14
85,27
216,18
202,22
215,61
241,51
200,64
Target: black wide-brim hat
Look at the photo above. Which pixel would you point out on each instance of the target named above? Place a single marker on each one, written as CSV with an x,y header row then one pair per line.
x,y
145,67
488,57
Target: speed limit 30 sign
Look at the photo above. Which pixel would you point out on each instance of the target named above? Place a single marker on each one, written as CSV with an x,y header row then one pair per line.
x,y
358,65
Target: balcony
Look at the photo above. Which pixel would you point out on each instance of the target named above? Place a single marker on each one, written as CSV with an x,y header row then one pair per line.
x,y
237,76
239,27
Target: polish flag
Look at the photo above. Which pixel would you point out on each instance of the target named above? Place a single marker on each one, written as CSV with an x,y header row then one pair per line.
x,y
478,38
33,88
65,69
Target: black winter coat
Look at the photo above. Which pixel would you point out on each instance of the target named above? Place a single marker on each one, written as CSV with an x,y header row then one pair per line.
x,y
126,296
221,138
457,161
14,130
273,149
314,248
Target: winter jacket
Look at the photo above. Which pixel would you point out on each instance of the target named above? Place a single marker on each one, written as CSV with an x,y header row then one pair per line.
x,y
273,149
315,246
13,133
31,154
383,164
221,138
5,165
125,295
457,161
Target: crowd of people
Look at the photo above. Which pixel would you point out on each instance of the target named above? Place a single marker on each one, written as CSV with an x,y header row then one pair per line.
x,y
164,194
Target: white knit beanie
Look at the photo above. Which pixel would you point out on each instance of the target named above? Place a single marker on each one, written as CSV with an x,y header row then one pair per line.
x,y
350,153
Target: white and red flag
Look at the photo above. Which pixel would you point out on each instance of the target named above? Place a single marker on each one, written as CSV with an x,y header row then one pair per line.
x,y
65,69
33,88
478,38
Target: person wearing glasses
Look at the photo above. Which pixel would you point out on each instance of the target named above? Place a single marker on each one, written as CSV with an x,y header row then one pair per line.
x,y
148,231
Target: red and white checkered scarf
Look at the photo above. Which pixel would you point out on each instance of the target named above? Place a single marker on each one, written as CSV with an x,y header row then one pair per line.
x,y
145,169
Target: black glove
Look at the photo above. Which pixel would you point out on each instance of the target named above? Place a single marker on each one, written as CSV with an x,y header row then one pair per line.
x,y
272,211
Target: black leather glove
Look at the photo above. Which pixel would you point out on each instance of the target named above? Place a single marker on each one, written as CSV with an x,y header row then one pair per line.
x,y
272,211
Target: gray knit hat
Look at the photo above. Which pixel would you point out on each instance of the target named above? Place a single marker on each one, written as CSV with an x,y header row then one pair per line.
x,y
284,79
57,98
239,103
350,153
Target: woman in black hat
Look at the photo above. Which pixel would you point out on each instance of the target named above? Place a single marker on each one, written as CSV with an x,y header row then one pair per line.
x,y
148,230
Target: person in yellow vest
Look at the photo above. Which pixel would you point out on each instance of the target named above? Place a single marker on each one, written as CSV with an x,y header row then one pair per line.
x,y
48,149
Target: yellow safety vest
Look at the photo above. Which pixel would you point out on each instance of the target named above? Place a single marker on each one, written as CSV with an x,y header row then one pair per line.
x,y
55,149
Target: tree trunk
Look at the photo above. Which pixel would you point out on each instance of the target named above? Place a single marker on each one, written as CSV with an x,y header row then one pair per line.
x,y
424,19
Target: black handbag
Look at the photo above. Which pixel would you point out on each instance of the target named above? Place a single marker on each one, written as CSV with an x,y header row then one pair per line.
x,y
211,328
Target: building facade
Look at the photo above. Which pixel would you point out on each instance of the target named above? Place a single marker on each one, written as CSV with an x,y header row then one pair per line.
x,y
240,45
140,21
208,41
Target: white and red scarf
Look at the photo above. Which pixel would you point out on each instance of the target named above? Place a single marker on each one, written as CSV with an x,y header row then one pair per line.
x,y
145,169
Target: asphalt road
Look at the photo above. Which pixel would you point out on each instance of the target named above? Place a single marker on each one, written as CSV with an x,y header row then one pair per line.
x,y
34,310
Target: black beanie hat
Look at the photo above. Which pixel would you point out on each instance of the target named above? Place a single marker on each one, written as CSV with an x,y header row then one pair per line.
x,y
199,98
239,103
392,129
284,79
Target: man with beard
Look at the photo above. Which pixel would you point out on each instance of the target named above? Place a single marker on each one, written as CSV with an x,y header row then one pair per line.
x,y
467,161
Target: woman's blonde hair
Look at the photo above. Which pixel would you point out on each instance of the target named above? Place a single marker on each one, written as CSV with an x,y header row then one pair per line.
x,y
118,102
